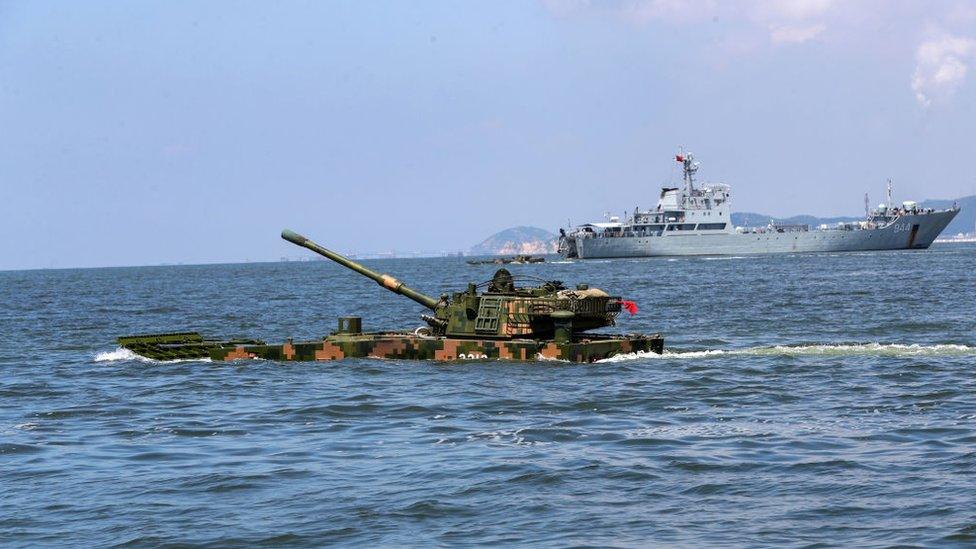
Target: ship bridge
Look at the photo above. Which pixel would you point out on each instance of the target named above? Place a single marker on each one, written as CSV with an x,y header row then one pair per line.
x,y
689,208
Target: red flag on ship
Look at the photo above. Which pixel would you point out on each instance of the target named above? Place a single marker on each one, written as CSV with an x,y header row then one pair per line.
x,y
679,158
629,305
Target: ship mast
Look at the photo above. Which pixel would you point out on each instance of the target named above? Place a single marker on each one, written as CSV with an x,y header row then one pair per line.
x,y
889,193
690,167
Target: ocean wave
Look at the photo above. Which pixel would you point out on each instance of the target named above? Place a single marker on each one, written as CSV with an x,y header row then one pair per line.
x,y
851,349
121,353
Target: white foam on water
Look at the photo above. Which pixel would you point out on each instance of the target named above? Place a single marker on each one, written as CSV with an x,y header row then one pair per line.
x,y
118,354
866,349
121,353
624,357
853,349
542,358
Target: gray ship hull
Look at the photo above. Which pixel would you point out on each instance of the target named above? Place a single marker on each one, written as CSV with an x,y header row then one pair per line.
x,y
915,231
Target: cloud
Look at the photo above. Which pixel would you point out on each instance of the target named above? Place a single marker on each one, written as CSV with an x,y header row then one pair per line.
x,y
786,21
566,8
941,65
642,11
795,34
638,12
792,21
942,61
796,10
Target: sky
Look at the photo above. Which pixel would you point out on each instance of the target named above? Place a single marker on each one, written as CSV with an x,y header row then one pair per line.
x,y
141,133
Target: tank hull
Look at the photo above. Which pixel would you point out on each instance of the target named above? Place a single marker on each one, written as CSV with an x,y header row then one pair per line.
x,y
908,232
391,345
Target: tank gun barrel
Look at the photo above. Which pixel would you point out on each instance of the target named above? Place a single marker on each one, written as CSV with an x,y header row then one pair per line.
x,y
385,280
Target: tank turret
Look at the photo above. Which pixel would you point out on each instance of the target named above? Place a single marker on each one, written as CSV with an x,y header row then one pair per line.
x,y
497,308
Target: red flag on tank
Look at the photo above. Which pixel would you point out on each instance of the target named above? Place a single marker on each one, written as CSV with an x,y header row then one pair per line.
x,y
629,305
679,158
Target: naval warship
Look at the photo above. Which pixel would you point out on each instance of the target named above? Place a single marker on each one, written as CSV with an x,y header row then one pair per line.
x,y
697,220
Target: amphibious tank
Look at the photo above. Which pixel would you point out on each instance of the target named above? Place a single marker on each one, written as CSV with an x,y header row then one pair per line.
x,y
497,319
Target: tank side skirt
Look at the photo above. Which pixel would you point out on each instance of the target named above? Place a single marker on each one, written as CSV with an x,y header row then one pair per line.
x,y
410,347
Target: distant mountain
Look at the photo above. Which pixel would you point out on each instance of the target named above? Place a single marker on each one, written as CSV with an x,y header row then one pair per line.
x,y
749,219
517,240
963,223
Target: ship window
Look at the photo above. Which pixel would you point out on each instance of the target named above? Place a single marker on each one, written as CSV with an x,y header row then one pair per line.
x,y
711,226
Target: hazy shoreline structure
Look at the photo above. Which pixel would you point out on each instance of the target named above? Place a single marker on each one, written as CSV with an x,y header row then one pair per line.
x,y
962,238
959,237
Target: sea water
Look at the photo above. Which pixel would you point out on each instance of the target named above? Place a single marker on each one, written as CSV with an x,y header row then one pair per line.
x,y
802,399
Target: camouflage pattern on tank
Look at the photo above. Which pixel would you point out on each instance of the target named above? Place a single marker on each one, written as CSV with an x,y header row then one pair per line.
x,y
411,347
395,345
504,321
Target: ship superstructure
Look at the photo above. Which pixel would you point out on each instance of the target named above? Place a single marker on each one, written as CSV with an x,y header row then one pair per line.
x,y
697,220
